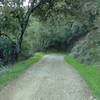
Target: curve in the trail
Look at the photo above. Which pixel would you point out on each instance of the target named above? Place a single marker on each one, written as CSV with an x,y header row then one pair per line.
x,y
49,79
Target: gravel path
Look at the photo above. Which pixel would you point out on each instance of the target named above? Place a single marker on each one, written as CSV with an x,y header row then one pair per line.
x,y
49,79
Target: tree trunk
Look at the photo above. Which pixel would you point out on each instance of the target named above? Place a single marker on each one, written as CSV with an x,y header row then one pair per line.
x,y
23,21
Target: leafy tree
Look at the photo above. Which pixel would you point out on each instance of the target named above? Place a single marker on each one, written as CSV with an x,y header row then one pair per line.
x,y
63,20
17,11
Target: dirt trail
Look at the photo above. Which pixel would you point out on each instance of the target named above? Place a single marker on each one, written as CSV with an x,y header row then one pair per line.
x,y
49,79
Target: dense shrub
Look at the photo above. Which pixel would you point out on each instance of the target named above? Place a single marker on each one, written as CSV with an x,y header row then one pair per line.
x,y
87,49
5,49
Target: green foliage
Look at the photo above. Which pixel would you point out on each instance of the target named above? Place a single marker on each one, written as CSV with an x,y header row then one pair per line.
x,y
63,24
91,74
54,24
8,24
87,50
55,33
5,49
44,35
25,53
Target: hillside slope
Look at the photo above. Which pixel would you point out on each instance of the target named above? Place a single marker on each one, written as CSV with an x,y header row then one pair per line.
x,y
87,49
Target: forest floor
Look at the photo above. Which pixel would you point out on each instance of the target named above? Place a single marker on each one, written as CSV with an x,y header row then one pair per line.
x,y
49,79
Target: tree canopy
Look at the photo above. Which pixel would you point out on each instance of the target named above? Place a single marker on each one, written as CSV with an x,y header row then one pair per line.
x,y
59,23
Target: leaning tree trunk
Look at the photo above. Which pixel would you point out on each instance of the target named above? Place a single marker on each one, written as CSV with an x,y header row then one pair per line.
x,y
19,39
18,45
23,21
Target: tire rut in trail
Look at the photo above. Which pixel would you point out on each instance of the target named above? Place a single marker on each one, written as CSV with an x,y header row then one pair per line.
x,y
49,79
